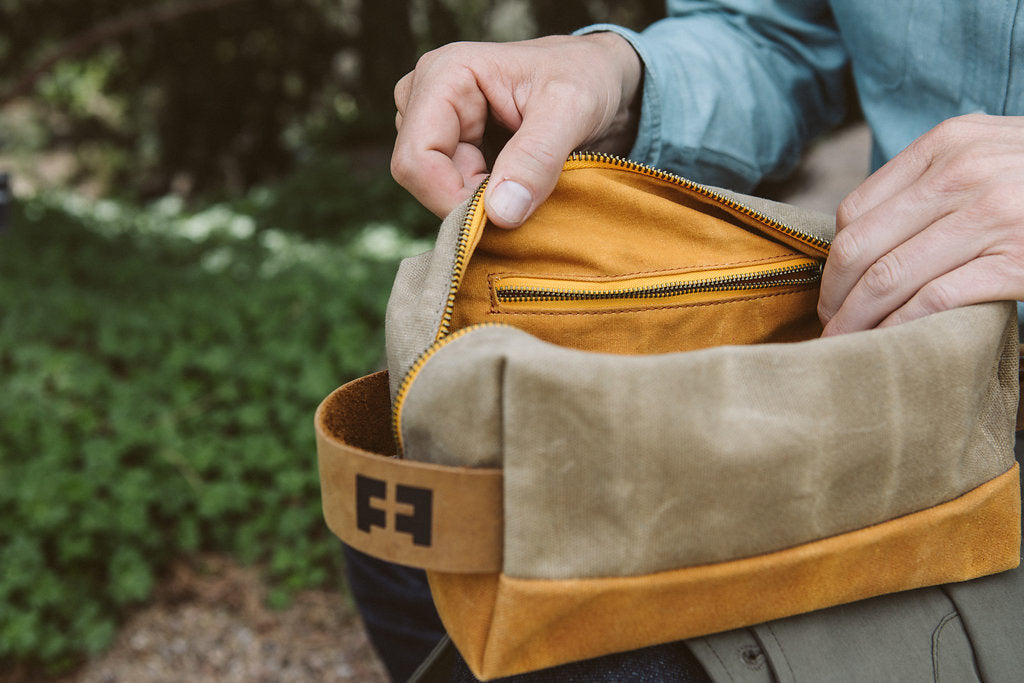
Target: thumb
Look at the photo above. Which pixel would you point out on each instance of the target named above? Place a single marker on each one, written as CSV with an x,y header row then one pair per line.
x,y
527,168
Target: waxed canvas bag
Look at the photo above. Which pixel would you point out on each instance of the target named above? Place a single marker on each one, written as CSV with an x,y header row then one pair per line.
x,y
617,426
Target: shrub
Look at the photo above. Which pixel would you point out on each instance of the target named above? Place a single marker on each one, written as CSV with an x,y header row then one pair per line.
x,y
158,375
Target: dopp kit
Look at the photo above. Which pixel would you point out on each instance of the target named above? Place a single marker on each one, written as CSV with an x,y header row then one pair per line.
x,y
617,426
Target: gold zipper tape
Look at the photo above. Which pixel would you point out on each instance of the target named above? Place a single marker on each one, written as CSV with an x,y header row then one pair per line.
x,y
413,373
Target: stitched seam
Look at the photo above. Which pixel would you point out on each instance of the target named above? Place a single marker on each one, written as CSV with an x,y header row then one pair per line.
x,y
682,270
785,659
714,651
936,635
950,595
1009,57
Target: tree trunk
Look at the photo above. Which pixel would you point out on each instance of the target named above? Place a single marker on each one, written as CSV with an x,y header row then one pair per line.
x,y
387,51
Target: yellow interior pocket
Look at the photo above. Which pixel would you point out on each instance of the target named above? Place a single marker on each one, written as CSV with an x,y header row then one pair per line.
x,y
645,264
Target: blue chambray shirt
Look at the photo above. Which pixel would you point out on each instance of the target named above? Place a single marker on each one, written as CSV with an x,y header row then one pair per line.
x,y
734,89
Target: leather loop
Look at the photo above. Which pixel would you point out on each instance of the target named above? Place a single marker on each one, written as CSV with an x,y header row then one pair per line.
x,y
446,519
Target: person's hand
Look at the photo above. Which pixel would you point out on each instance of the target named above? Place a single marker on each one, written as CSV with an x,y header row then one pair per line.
x,y
555,95
940,226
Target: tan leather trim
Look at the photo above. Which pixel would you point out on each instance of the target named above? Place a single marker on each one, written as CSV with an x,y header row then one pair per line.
x,y
504,626
352,426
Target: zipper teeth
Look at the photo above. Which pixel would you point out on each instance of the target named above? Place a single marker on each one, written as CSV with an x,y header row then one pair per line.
x,y
413,372
444,333
730,282
611,159
461,254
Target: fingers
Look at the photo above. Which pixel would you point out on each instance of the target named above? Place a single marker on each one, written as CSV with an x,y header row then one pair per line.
x,y
553,94
940,226
439,126
403,88
989,278
883,212
906,272
867,252
558,115
441,179
527,168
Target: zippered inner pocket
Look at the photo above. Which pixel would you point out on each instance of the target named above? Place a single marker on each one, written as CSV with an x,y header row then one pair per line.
x,y
518,293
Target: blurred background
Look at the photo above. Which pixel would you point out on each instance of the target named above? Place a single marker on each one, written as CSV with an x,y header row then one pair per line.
x,y
198,232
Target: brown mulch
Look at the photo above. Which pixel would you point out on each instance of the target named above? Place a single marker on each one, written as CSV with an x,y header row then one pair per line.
x,y
209,623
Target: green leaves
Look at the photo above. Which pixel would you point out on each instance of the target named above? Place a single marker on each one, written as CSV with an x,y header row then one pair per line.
x,y
153,405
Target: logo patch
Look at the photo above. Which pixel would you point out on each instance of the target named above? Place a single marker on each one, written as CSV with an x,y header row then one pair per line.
x,y
417,524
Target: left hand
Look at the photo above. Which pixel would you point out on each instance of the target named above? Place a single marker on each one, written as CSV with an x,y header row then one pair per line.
x,y
940,226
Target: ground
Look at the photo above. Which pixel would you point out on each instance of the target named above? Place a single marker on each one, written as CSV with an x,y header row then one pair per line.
x,y
208,623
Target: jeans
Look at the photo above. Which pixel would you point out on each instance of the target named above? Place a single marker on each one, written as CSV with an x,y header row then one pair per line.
x,y
397,611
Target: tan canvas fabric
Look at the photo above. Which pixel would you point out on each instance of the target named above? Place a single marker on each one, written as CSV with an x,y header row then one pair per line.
x,y
631,465
417,300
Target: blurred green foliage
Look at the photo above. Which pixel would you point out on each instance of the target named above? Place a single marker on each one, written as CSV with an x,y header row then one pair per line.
x,y
206,96
160,370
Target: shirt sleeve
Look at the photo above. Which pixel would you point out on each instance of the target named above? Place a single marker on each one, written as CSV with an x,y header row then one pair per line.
x,y
734,89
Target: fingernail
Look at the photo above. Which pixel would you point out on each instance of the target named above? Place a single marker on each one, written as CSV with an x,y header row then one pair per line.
x,y
509,201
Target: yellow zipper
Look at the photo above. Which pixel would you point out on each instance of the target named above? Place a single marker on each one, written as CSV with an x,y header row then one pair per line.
x,y
466,241
469,235
514,293
414,371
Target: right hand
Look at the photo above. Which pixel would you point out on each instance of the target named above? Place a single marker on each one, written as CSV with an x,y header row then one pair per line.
x,y
554,94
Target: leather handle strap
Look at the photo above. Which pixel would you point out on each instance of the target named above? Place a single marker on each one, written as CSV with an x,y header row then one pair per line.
x,y
446,519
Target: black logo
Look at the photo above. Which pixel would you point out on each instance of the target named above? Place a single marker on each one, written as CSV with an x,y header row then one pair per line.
x,y
418,524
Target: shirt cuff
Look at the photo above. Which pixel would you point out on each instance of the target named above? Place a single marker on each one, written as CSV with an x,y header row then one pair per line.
x,y
648,137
